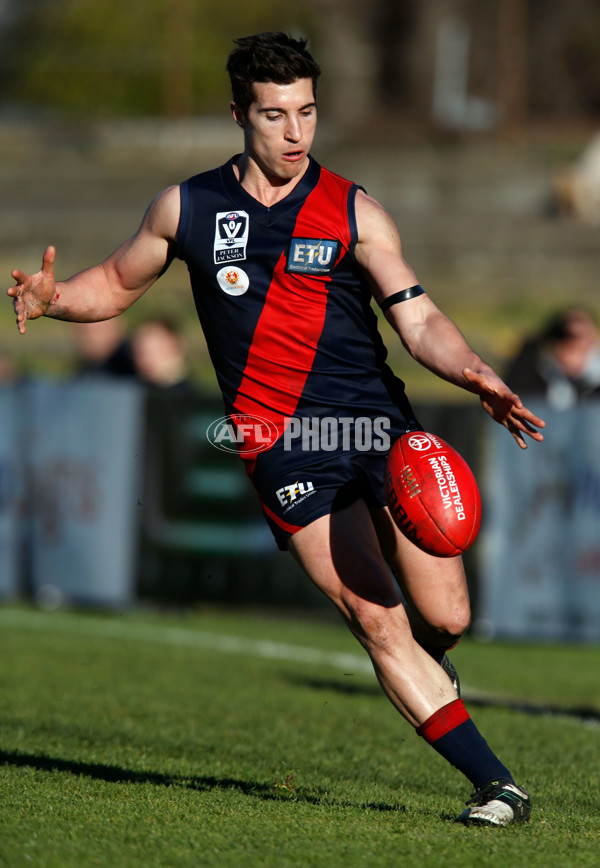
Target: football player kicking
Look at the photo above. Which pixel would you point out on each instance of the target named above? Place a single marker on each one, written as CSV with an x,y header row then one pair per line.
x,y
284,257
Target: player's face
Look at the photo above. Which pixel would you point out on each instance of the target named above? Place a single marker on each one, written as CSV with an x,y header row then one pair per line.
x,y
279,128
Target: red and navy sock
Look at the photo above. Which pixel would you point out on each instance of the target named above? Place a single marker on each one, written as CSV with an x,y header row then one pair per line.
x,y
453,734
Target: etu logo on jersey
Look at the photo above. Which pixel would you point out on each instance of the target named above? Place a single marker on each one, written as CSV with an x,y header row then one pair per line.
x,y
231,236
312,255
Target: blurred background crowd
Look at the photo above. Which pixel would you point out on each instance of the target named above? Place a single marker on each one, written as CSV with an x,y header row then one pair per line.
x,y
476,124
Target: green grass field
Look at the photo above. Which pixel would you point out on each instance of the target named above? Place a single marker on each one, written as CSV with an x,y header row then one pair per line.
x,y
219,739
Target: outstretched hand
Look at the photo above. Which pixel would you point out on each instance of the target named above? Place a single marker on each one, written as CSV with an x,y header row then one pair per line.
x,y
33,293
504,406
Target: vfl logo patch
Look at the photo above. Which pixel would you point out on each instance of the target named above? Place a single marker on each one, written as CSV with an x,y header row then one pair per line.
x,y
312,255
231,236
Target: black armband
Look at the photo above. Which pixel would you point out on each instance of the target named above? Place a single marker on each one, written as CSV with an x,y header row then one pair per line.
x,y
403,295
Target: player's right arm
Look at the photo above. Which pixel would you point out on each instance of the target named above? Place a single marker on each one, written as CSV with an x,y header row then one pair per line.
x,y
105,290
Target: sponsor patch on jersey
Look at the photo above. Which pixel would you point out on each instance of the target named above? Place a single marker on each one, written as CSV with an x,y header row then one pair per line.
x,y
231,236
233,280
312,255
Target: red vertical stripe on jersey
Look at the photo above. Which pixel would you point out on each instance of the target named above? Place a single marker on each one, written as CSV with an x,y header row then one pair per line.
x,y
291,322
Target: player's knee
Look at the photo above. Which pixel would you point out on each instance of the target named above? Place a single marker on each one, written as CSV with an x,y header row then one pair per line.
x,y
378,625
452,625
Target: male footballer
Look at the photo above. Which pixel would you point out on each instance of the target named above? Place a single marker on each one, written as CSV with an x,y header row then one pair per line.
x,y
284,258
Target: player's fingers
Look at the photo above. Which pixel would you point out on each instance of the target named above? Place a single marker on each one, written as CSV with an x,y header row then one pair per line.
x,y
20,277
516,431
511,399
523,427
19,309
533,419
529,420
48,260
520,439
531,432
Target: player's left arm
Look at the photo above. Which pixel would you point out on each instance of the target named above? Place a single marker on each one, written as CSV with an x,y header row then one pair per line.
x,y
431,337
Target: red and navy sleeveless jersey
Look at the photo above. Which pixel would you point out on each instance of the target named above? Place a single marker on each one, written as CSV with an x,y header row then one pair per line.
x,y
283,305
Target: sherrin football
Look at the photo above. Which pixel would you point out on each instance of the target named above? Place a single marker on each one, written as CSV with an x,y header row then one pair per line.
x,y
432,494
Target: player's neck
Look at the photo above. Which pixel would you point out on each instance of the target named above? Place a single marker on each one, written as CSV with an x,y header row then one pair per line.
x,y
268,190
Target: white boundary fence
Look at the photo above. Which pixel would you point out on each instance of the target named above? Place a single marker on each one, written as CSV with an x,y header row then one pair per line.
x,y
11,478
539,551
72,454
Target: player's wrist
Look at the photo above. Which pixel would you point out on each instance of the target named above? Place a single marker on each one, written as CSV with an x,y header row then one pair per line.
x,y
52,308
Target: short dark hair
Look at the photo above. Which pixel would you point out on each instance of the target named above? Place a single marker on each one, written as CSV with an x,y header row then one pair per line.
x,y
274,57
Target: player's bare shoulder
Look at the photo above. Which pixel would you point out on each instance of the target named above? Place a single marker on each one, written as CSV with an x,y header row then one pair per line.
x,y
374,224
379,250
163,213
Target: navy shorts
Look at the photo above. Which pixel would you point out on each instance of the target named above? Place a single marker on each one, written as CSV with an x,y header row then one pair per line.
x,y
299,487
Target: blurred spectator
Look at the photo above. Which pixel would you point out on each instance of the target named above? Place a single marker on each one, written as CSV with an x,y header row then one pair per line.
x,y
577,187
562,362
104,349
160,355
